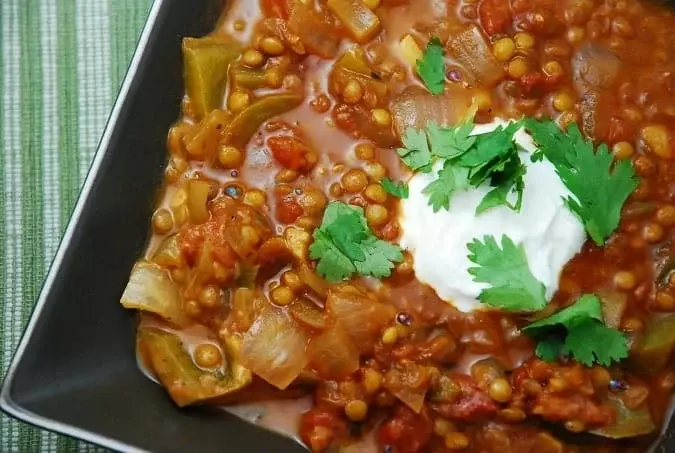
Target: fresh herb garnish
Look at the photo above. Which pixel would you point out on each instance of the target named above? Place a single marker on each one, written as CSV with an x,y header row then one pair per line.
x,y
344,246
450,179
599,186
396,189
469,161
431,68
506,270
415,152
578,331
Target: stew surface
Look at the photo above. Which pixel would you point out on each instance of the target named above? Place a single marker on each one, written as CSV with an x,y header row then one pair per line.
x,y
422,225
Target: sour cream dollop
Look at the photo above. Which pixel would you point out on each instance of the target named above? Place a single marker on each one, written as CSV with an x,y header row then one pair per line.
x,y
550,233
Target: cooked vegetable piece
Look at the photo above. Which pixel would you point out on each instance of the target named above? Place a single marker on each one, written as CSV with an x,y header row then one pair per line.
x,y
654,351
353,65
409,383
186,383
242,127
629,423
150,289
248,78
203,142
332,353
168,253
206,63
318,37
415,108
275,348
307,313
474,52
198,195
361,317
360,21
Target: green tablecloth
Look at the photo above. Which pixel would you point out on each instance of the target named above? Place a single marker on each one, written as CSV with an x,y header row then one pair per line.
x,y
61,65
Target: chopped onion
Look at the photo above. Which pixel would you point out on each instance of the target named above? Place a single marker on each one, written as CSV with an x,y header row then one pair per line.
x,y
362,318
474,53
332,354
308,314
168,253
311,279
409,383
318,37
151,289
274,348
415,107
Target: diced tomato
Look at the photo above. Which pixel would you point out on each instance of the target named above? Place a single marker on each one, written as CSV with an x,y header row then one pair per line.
x,y
274,8
288,151
531,82
406,431
495,16
193,237
585,408
620,130
319,427
472,405
288,210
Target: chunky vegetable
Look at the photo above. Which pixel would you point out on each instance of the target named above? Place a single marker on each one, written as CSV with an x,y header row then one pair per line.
x,y
654,351
186,383
275,348
242,127
360,21
629,423
472,50
206,63
150,289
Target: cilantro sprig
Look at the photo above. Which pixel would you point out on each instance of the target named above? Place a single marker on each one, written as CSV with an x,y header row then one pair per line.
x,y
396,189
513,287
468,161
579,331
599,185
344,246
431,68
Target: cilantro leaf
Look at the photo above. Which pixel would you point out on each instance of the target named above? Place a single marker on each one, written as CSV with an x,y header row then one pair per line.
x,y
431,68
415,154
505,269
450,179
344,245
450,142
592,342
578,331
549,349
397,189
505,181
599,186
587,307
380,258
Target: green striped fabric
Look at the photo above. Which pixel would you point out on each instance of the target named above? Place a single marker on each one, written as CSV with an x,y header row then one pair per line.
x,y
61,65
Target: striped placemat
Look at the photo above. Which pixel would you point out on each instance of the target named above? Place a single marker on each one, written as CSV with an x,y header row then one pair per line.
x,y
61,64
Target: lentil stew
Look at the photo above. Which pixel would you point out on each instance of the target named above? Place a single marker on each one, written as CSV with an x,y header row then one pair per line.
x,y
299,113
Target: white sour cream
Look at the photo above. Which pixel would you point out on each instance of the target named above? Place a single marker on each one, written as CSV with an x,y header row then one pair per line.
x,y
550,233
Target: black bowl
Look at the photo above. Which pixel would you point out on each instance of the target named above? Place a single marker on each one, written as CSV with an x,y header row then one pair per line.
x,y
75,370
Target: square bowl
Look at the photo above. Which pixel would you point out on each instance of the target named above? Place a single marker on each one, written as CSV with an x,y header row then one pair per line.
x,y
75,370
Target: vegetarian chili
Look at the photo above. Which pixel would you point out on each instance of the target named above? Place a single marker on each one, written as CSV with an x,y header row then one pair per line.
x,y
422,225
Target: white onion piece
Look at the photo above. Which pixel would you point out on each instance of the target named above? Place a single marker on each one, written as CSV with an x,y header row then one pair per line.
x,y
151,289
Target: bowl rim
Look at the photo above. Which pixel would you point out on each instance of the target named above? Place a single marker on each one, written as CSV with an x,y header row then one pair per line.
x,y
7,404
